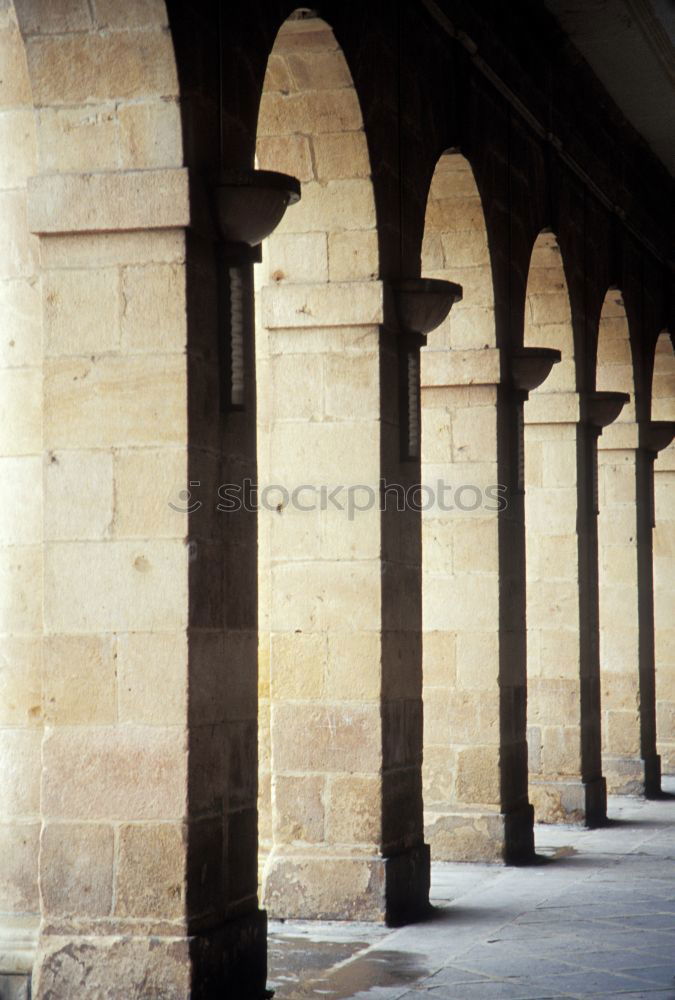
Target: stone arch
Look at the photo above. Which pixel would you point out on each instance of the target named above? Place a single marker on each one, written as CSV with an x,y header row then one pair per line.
x,y
548,312
104,85
310,125
614,358
663,408
455,247
556,729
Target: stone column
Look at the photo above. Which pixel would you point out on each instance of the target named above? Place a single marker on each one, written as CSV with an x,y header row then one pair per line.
x,y
345,658
562,629
664,606
20,519
148,848
655,436
475,765
624,528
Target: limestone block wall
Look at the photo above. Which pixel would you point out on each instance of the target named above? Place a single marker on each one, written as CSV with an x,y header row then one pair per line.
x,y
21,506
143,775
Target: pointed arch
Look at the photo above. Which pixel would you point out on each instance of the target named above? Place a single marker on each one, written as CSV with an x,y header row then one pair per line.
x,y
548,312
614,359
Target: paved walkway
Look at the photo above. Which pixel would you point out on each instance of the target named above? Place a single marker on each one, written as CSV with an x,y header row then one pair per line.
x,y
595,918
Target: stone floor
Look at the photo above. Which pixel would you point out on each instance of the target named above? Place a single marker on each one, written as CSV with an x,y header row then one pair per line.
x,y
596,917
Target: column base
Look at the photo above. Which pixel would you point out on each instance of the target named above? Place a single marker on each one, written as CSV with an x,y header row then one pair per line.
x,y
323,886
481,835
569,800
229,960
633,775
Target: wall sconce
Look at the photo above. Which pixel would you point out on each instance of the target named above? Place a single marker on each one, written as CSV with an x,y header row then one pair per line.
x,y
602,408
420,306
248,206
530,366
655,435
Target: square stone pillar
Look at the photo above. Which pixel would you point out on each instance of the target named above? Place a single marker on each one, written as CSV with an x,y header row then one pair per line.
x,y
345,655
664,605
475,755
624,483
563,727
148,842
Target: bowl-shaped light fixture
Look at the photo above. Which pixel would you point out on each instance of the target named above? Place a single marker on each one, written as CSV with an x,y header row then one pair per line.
x,y
655,435
602,408
421,304
250,204
530,366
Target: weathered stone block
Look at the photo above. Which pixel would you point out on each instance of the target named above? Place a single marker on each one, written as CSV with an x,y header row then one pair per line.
x,y
20,500
153,316
109,586
299,808
334,737
354,810
82,310
115,401
79,680
150,877
19,849
78,490
78,68
77,871
96,202
150,134
92,773
20,762
353,256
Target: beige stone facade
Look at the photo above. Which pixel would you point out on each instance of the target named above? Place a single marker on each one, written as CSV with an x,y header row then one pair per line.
x,y
207,711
